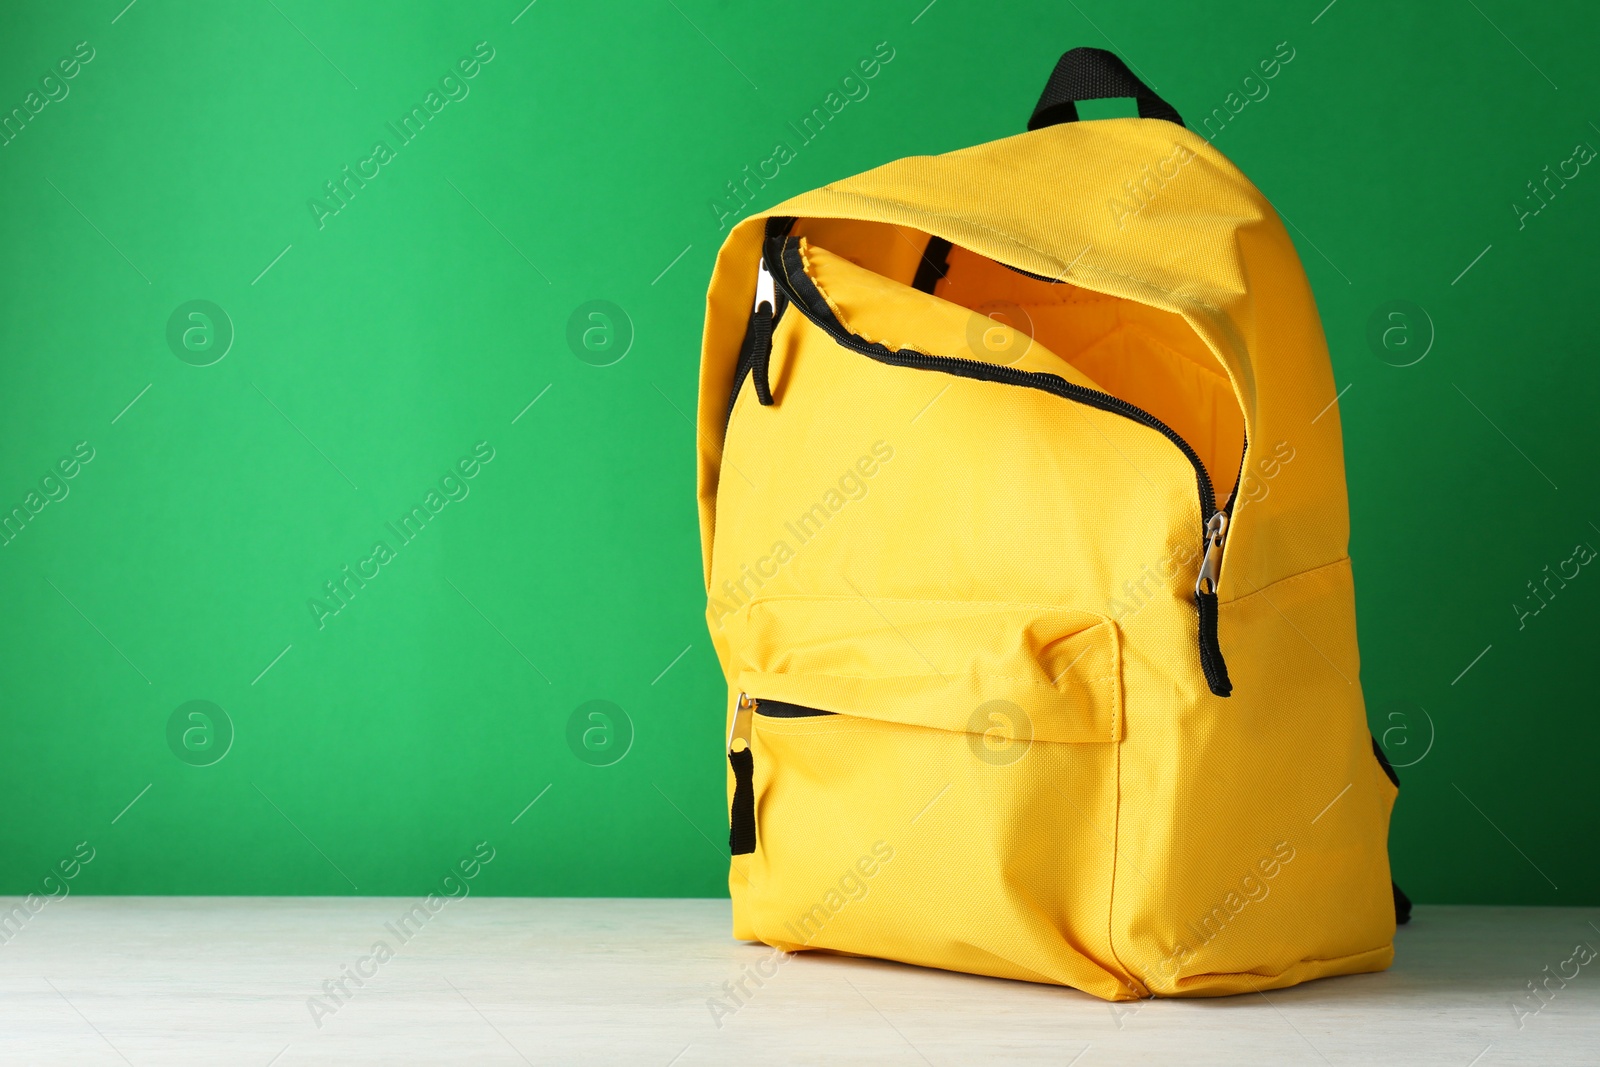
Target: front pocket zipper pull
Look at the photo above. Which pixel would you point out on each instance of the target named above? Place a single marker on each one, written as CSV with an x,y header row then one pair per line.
x,y
761,321
1205,597
740,730
742,813
1211,565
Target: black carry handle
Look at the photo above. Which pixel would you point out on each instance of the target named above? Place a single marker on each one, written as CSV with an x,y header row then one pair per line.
x,y
1094,74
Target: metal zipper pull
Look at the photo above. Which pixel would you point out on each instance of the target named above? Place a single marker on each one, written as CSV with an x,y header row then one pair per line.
x,y
1211,566
766,289
762,319
1205,598
740,730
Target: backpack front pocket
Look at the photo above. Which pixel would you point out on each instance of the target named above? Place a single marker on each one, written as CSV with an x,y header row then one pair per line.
x,y
931,663
870,728
791,267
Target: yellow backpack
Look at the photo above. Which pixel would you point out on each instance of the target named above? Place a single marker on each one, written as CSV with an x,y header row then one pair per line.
x,y
1023,512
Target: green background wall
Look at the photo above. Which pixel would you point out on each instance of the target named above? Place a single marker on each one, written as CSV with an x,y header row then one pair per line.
x,y
372,352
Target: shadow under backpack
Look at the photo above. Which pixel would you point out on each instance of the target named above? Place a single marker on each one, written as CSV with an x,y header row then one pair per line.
x,y
1023,512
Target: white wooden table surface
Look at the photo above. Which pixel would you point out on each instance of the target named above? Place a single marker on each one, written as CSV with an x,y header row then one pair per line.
x,y
212,980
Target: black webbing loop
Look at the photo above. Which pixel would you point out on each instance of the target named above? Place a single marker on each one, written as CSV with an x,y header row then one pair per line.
x,y
1212,664
761,352
1094,74
742,815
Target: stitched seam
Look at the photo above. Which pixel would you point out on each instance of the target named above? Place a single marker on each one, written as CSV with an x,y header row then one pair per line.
x,y
1111,897
1305,959
849,324
1026,244
1030,683
838,312
817,597
1280,582
1150,338
841,723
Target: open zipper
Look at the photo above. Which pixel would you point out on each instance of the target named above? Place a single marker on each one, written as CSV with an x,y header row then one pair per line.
x,y
782,267
1205,585
742,812
778,709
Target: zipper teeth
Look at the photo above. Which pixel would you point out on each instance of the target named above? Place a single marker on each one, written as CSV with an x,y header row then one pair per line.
x,y
1035,277
1238,479
1048,383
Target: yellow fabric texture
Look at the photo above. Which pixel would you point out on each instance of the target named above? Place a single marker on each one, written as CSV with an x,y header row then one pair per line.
x,y
991,587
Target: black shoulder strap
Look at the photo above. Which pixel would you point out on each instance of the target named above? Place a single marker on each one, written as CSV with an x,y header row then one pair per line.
x,y
1402,903
1094,74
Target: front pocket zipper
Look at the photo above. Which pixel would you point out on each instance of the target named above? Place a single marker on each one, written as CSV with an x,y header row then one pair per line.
x,y
794,286
742,813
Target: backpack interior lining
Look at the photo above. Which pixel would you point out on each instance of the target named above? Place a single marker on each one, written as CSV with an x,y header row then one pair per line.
x,y
1147,356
